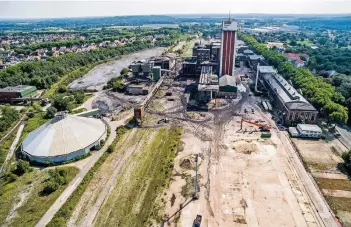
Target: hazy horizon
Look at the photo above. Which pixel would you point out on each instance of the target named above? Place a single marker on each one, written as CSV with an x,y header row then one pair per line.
x,y
78,9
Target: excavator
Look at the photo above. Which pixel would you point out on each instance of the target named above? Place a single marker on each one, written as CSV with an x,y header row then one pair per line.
x,y
262,127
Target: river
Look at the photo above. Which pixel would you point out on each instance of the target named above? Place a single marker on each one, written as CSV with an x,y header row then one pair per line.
x,y
101,74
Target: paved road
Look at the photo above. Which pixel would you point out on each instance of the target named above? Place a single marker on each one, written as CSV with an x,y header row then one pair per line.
x,y
322,210
79,177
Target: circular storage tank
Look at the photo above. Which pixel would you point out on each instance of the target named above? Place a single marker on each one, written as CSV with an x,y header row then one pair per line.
x,y
63,138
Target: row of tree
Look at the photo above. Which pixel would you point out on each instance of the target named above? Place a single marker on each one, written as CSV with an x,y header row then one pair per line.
x,y
320,93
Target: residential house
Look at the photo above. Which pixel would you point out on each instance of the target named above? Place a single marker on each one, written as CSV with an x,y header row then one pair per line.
x,y
296,60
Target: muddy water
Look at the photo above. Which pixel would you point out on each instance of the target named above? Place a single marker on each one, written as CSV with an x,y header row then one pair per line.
x,y
101,74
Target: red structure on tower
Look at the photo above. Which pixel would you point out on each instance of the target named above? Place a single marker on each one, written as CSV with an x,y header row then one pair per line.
x,y
227,59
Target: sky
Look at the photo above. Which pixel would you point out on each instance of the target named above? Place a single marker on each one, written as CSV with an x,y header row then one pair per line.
x,y
80,8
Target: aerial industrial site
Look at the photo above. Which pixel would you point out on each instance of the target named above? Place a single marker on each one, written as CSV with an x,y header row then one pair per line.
x,y
206,132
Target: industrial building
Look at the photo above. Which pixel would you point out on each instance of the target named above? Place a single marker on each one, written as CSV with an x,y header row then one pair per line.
x,y
254,60
138,89
227,87
306,131
208,84
164,61
203,55
20,91
288,101
228,50
189,69
63,138
142,68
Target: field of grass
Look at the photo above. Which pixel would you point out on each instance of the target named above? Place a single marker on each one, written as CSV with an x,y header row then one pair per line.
x,y
5,146
187,50
65,212
305,42
135,201
334,184
338,203
27,190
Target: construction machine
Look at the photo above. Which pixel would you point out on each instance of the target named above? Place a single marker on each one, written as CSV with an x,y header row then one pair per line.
x,y
262,127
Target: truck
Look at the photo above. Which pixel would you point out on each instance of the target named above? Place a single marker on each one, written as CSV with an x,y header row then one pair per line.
x,y
197,221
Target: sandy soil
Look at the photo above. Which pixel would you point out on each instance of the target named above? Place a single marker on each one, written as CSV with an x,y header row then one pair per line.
x,y
317,151
249,182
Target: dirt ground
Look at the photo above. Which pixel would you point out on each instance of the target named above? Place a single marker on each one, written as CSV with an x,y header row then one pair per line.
x,y
318,151
249,182
323,158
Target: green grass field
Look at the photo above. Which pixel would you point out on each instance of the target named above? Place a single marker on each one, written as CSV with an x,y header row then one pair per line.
x,y
305,42
135,201
26,190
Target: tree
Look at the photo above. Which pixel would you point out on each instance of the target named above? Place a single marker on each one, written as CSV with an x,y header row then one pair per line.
x,y
57,177
293,43
79,97
62,89
60,103
50,112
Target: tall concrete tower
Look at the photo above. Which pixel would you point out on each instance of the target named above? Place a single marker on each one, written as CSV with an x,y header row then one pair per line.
x,y
227,59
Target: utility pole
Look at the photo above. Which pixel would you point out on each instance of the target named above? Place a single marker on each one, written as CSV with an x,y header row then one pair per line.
x,y
196,196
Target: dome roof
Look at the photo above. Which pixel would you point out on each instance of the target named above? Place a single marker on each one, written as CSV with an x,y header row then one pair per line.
x,y
63,135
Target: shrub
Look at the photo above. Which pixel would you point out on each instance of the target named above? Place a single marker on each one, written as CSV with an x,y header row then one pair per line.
x,y
57,222
50,187
57,177
50,112
11,177
347,159
109,149
124,71
22,167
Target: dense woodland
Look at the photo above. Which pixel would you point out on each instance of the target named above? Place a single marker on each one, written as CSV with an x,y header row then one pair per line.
x,y
321,94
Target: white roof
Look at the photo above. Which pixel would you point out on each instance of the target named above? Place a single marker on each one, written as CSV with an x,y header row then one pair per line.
x,y
309,127
63,135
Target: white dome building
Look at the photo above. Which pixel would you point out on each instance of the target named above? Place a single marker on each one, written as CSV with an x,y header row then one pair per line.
x,y
63,138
